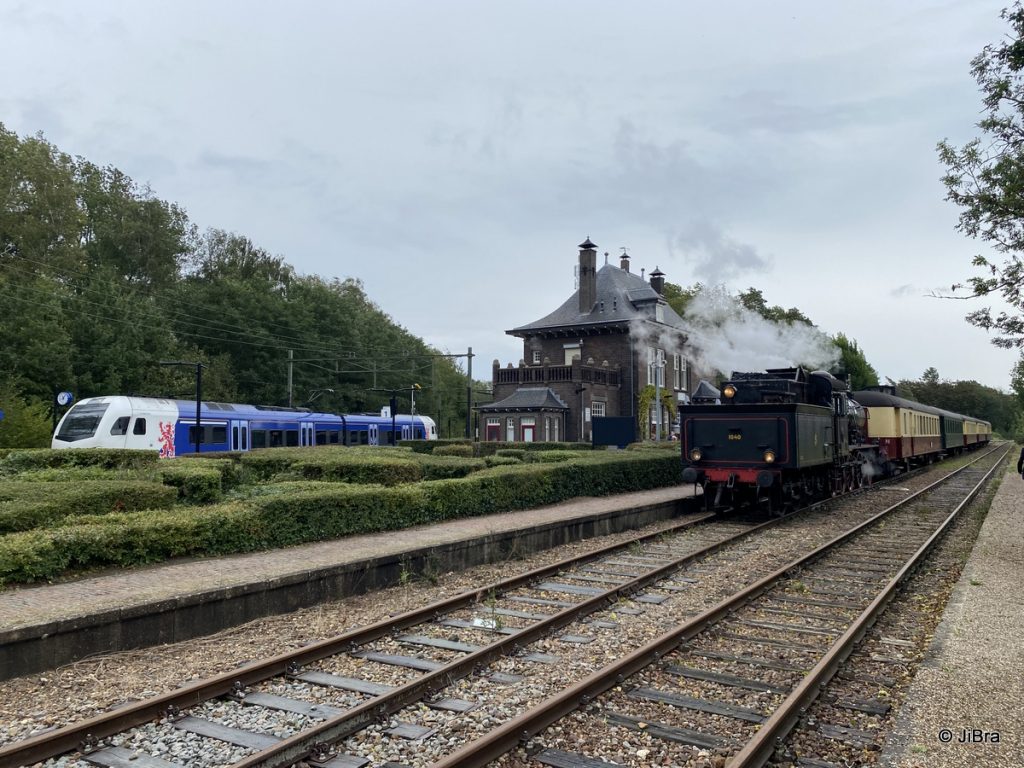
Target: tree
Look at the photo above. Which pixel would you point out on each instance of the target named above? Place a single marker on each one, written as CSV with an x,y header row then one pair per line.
x,y
853,364
985,178
753,299
26,423
678,297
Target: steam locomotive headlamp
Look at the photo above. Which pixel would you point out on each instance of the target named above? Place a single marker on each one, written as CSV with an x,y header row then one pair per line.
x,y
729,391
696,454
769,456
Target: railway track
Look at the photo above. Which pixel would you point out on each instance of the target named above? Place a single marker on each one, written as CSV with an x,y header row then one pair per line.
x,y
515,610
289,709
736,679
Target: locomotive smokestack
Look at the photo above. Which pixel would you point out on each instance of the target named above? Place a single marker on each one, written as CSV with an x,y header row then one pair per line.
x,y
588,276
658,281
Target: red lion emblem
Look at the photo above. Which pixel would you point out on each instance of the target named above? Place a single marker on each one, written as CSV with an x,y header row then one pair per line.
x,y
166,440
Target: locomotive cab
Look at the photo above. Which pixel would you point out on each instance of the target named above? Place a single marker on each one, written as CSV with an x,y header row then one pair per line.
x,y
779,436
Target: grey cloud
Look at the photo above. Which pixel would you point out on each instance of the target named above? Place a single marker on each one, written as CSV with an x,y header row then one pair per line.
x,y
713,256
244,169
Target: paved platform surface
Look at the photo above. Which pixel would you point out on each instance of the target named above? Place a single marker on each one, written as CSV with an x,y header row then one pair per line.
x,y
36,605
971,686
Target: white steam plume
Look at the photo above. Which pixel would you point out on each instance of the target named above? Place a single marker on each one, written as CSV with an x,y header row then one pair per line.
x,y
725,336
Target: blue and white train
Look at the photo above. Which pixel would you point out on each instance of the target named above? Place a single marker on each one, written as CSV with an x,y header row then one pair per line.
x,y
169,426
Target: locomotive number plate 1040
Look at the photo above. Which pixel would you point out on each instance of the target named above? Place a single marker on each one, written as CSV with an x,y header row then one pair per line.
x,y
735,434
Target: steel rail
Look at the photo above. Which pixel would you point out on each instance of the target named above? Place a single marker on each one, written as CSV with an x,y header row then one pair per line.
x,y
498,742
92,730
759,749
301,745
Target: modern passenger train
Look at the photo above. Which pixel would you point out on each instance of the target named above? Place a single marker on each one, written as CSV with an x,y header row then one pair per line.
x,y
788,435
169,426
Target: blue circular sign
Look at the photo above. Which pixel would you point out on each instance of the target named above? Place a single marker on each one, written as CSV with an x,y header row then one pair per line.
x,y
63,398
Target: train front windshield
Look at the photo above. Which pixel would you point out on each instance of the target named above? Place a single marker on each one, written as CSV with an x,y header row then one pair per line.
x,y
81,422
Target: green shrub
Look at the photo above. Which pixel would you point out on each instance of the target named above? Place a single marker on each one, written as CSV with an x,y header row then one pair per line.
x,y
109,458
461,449
515,453
551,457
359,468
427,446
445,467
290,513
24,506
501,461
197,484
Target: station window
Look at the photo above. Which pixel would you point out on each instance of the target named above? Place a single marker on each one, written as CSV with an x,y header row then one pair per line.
x,y
597,408
536,357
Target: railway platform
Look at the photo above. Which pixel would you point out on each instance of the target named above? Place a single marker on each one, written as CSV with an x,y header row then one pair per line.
x,y
964,706
46,626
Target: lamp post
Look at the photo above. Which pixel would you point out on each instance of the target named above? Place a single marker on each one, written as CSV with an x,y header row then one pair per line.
x,y
199,396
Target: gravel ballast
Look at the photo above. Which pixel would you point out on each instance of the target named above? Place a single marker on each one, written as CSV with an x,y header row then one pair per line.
x,y
972,681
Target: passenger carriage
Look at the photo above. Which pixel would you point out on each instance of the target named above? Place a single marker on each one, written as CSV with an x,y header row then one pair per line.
x,y
907,431
169,426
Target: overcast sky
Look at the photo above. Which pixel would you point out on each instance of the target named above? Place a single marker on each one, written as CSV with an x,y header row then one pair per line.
x,y
451,155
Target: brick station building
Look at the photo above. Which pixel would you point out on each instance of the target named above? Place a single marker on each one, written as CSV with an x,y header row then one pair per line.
x,y
593,356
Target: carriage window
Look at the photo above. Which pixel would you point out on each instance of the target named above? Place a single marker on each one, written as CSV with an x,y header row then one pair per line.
x,y
120,426
276,438
291,438
259,438
211,434
140,427
364,437
321,438
333,437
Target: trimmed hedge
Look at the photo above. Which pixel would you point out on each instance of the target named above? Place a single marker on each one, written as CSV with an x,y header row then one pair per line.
x,y
32,505
490,448
428,446
282,515
200,485
110,458
501,461
462,449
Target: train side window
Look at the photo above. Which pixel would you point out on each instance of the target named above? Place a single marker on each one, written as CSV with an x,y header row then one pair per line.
x,y
120,426
291,438
321,438
259,438
220,435
140,427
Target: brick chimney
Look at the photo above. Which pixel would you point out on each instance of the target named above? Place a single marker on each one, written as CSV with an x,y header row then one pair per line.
x,y
624,261
588,276
658,281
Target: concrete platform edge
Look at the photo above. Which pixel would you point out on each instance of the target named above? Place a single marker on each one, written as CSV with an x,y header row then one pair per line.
x,y
37,648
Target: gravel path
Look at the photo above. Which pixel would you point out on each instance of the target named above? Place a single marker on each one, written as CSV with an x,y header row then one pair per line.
x,y
974,676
